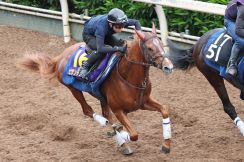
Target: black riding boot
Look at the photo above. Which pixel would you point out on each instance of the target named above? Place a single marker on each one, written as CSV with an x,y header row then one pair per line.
x,y
232,64
86,65
84,69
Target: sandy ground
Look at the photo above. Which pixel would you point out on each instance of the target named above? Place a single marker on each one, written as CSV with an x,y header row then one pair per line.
x,y
42,122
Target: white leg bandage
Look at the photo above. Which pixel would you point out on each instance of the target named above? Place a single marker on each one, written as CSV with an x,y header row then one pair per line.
x,y
125,135
120,141
240,125
100,119
166,128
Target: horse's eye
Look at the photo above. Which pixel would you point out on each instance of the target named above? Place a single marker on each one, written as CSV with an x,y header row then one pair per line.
x,y
150,49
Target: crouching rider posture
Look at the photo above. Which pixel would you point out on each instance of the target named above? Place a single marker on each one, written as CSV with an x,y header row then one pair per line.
x,y
98,35
234,22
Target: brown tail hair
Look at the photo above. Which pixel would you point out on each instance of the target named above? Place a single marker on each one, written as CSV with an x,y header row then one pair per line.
x,y
42,64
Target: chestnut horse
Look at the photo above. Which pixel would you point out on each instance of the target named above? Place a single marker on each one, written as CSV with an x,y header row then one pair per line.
x,y
186,58
127,88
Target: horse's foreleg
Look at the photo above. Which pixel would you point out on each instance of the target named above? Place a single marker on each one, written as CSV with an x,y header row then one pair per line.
x,y
124,120
87,110
217,83
122,136
155,106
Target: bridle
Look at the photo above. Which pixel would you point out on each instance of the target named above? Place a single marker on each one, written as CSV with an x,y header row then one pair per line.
x,y
150,61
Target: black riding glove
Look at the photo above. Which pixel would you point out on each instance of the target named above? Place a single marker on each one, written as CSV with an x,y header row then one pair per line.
x,y
121,49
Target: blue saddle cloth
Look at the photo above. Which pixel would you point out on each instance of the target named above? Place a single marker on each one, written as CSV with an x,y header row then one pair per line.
x,y
220,67
96,77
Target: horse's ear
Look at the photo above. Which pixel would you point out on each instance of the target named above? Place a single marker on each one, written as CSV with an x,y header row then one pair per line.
x,y
154,28
140,34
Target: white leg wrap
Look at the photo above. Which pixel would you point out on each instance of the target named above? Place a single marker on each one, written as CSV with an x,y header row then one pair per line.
x,y
125,135
240,125
100,119
120,141
166,128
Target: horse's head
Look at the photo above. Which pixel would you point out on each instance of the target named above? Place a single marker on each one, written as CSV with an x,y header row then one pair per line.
x,y
153,50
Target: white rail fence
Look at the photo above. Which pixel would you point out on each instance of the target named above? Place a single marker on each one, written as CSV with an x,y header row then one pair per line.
x,y
193,5
159,4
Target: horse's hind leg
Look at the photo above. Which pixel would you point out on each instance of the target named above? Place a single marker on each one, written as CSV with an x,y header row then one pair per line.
x,y
218,84
87,110
155,106
106,111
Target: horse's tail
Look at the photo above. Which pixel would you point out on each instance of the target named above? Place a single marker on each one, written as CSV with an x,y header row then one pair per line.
x,y
42,64
181,58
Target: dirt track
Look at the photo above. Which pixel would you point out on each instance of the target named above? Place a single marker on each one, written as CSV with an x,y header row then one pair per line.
x,y
40,122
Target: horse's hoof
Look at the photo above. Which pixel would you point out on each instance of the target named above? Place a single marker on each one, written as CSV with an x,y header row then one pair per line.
x,y
127,151
165,150
111,133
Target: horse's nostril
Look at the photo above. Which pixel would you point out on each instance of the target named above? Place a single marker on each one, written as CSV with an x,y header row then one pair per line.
x,y
167,70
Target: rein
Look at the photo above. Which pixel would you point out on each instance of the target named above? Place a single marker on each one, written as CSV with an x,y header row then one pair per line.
x,y
143,85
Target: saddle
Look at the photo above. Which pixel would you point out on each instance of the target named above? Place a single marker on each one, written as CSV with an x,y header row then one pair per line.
x,y
218,48
82,54
97,75
217,52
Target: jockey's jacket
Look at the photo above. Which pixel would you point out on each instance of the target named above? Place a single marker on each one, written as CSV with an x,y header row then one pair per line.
x,y
98,27
231,10
235,13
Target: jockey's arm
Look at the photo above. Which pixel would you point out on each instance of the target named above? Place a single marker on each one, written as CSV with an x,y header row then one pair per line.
x,y
133,22
101,48
240,21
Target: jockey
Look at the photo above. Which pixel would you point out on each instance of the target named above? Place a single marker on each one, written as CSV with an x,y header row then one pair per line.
x,y
234,22
98,35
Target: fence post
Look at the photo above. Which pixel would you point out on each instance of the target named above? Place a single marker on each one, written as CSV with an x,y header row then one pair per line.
x,y
65,17
162,23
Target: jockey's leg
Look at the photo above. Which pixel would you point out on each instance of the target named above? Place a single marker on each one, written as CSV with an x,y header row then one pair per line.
x,y
155,106
84,69
232,64
237,47
86,65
